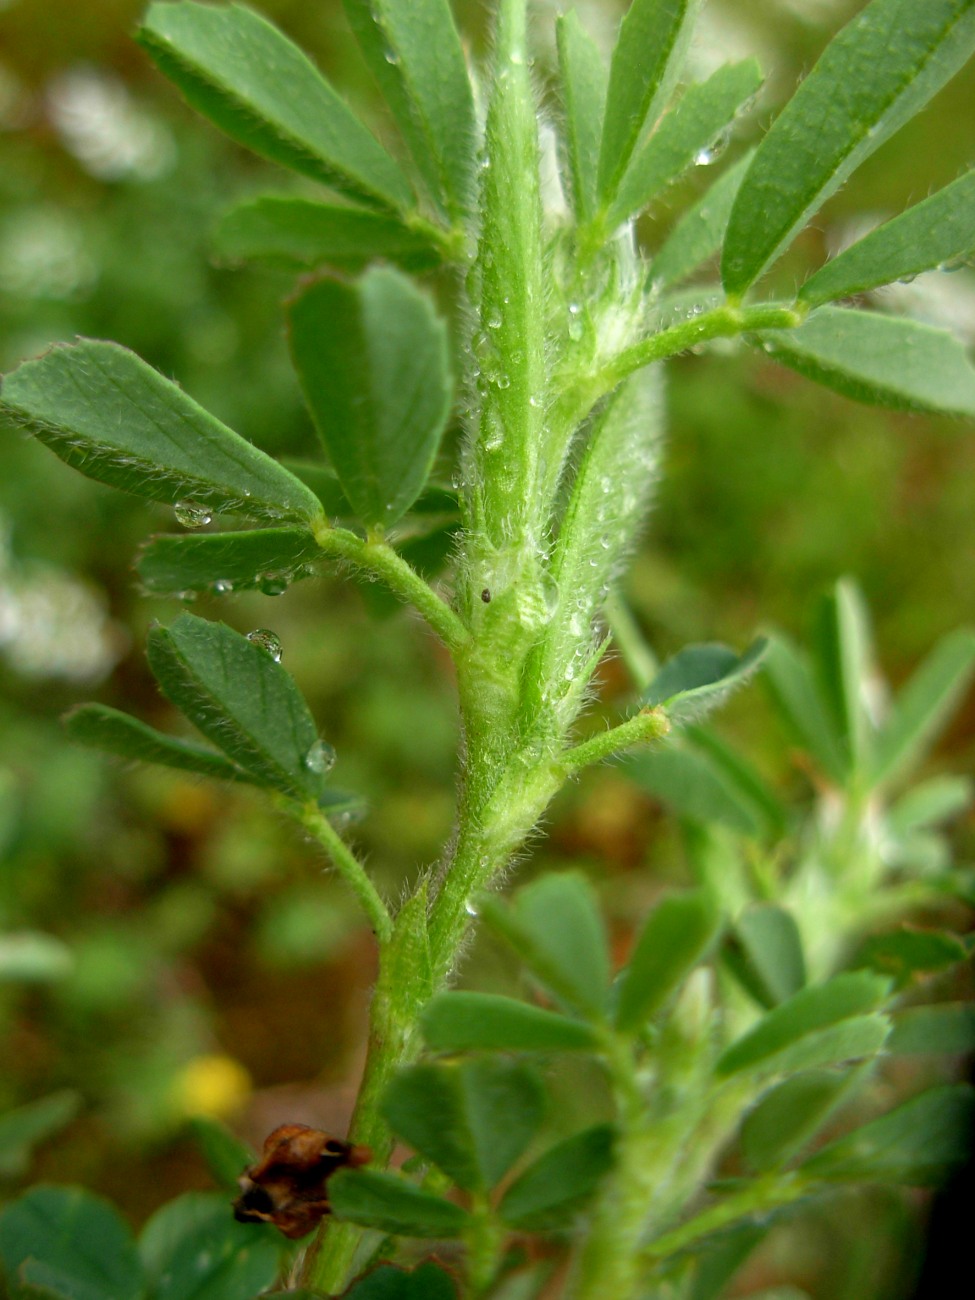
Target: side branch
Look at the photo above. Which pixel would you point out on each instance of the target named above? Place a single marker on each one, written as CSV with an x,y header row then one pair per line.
x,y
643,728
311,817
379,559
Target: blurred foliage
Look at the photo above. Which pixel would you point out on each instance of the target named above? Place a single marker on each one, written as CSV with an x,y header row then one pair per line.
x,y
181,950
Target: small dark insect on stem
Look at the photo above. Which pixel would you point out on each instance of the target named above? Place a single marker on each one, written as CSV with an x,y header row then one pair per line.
x,y
486,596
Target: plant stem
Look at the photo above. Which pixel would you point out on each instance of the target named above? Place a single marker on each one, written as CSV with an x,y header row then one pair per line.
x,y
643,728
760,1197
640,660
379,559
347,865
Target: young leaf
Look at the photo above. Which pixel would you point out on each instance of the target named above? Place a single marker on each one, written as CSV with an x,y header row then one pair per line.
x,y
844,663
933,801
70,1243
192,1249
685,135
932,234
583,80
700,677
699,232
225,562
798,699
459,1022
873,77
372,358
555,927
919,1143
238,70
676,936
117,733
388,1282
844,998
881,360
323,482
471,1120
948,1028
908,952
751,787
924,706
103,411
790,1115
243,701
391,1204
693,786
764,951
299,233
27,1126
415,55
552,1190
645,65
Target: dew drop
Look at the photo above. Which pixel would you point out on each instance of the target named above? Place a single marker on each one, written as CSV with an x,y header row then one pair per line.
x,y
273,586
267,641
223,587
320,758
191,515
503,380
493,321
470,908
391,55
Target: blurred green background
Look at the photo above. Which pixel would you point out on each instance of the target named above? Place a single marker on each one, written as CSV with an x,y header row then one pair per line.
x,y
169,947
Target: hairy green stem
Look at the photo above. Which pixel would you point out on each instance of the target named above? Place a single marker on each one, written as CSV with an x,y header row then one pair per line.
x,y
380,560
643,728
347,865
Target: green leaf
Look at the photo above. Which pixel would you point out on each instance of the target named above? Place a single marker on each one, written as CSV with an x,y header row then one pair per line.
x,y
300,234
582,81
71,1242
873,77
372,358
685,136
930,803
103,411
223,562
192,1249
391,1204
26,1127
764,951
414,52
845,998
693,786
551,1191
948,1028
799,701
719,1260
471,1120
918,1144
924,706
910,951
845,666
645,66
225,1154
238,70
243,701
459,1022
700,677
676,936
387,1282
882,360
555,927
323,482
751,787
33,957
699,232
789,1116
116,733
931,235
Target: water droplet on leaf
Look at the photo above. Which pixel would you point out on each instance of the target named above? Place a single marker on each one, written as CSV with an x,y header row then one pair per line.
x,y
267,641
320,759
191,515
273,586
